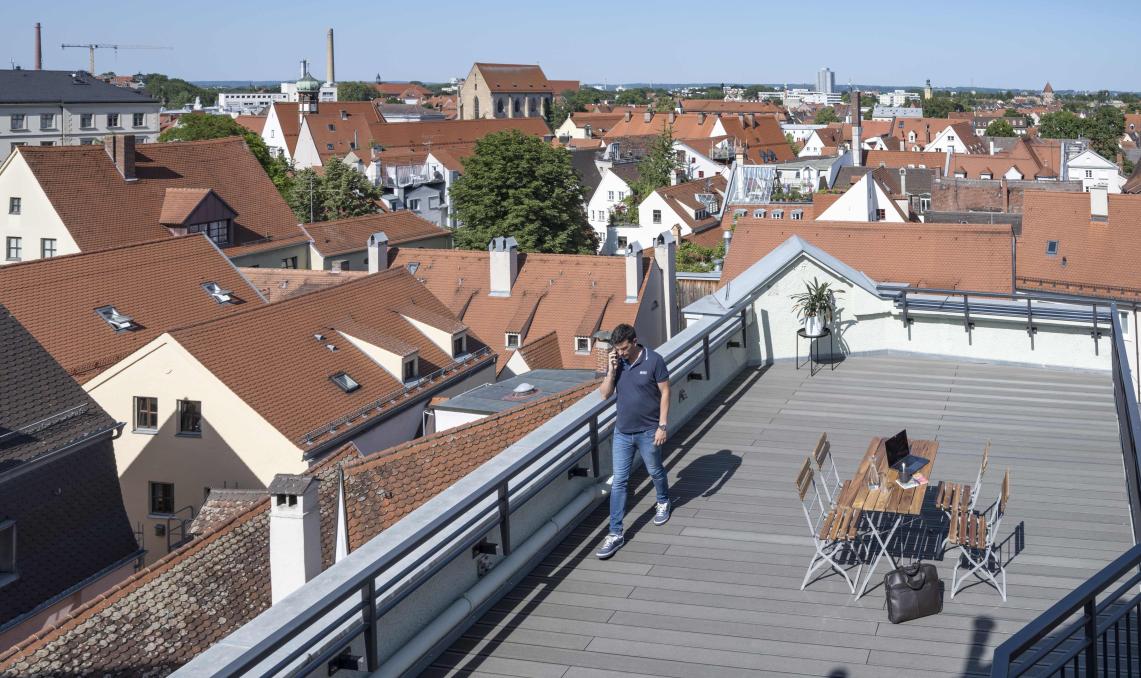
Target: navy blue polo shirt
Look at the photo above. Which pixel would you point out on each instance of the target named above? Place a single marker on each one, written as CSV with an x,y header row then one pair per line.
x,y
639,398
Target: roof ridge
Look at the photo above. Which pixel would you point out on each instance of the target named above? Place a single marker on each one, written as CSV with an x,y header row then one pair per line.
x,y
117,248
364,463
287,300
143,576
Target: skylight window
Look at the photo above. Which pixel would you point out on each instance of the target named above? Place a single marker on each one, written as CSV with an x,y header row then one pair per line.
x,y
119,322
217,293
1051,248
413,266
345,382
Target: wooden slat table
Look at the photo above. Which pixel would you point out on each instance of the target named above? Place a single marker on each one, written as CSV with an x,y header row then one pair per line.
x,y
889,497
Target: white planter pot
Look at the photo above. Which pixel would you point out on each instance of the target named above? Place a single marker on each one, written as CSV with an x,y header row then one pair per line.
x,y
814,326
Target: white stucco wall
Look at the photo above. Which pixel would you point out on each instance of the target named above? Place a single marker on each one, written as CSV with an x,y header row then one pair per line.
x,y
237,448
37,219
602,203
273,136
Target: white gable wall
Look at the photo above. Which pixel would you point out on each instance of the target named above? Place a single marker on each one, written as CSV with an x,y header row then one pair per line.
x,y
37,219
1094,171
860,203
610,192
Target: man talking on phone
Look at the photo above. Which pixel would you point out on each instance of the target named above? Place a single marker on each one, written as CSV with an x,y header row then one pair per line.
x,y
642,382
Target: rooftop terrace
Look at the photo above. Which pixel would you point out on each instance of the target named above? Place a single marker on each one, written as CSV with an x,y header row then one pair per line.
x,y
716,590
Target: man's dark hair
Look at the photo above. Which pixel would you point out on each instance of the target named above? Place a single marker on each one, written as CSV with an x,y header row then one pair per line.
x,y
621,334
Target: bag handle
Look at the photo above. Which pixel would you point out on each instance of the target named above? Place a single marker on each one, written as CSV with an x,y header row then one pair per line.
x,y
909,574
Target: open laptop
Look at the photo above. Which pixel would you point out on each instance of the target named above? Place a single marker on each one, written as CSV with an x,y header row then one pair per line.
x,y
899,452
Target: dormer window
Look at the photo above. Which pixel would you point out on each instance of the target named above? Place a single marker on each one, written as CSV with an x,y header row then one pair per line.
x,y
218,231
1051,248
120,322
332,127
345,382
413,266
459,345
797,215
217,293
411,369
778,214
582,344
512,340
759,213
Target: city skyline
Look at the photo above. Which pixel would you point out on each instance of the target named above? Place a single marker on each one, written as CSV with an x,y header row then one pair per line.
x,y
266,41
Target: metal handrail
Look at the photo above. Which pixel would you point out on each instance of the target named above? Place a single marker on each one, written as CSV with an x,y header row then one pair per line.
x,y
493,501
309,437
1024,645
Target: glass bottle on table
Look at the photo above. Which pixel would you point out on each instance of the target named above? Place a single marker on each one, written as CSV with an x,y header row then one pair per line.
x,y
874,474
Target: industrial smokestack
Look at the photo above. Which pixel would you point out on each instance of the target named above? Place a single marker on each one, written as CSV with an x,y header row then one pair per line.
x,y
39,51
329,76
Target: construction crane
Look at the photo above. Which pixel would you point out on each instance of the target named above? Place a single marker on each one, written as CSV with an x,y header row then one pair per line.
x,y
94,46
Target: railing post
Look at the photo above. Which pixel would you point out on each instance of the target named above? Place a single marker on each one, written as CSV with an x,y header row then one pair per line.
x,y
1030,329
372,663
967,324
903,294
705,352
504,519
594,446
744,327
1091,638
1096,332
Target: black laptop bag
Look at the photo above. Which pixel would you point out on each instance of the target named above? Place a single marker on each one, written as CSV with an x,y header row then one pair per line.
x,y
913,591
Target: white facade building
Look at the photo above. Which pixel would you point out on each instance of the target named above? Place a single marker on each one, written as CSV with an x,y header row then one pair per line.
x,y
1094,171
897,98
611,191
64,108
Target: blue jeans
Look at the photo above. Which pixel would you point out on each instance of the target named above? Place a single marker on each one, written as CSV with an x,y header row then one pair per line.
x,y
622,447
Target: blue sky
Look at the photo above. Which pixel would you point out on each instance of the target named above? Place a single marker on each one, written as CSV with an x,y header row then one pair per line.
x,y
1013,44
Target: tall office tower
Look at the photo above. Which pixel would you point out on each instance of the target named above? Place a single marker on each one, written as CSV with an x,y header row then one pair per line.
x,y
825,80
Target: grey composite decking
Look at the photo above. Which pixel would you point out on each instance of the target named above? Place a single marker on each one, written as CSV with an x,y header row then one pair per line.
x,y
715,592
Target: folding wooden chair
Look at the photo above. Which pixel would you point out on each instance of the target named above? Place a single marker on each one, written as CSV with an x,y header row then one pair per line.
x,y
826,466
960,496
833,529
975,534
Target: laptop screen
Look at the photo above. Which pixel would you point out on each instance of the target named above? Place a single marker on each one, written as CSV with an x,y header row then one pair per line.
x,y
897,448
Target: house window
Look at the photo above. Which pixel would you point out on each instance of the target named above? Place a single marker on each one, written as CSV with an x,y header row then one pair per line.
x,y
86,120
610,196
47,247
1051,248
512,340
797,215
410,369
759,213
189,417
13,205
328,147
880,214
622,242
414,204
137,119
582,344
345,382
47,143
1089,174
13,248
7,551
657,216
778,214
112,119
289,262
621,195
924,204
985,175
162,498
332,127
19,122
47,120
459,345
950,137
146,414
433,203
740,213
218,231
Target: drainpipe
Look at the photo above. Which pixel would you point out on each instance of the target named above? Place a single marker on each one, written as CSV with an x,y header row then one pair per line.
x,y
1013,261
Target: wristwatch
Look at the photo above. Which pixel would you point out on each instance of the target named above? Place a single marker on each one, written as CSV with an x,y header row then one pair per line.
x,y
661,427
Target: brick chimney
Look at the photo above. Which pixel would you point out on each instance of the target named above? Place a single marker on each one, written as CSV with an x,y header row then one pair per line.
x,y
665,258
701,118
647,116
671,118
121,149
857,155
1005,188
752,118
294,533
627,116
504,262
377,252
633,271
602,348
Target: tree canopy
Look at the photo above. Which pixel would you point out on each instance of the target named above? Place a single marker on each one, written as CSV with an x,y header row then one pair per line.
x,y
200,126
1000,128
1104,128
1060,125
826,115
656,169
941,107
356,91
516,185
175,92
339,193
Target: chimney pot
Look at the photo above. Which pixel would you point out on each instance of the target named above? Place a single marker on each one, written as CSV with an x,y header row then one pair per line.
x,y
672,117
627,116
1099,203
602,348
701,118
377,252
294,533
647,116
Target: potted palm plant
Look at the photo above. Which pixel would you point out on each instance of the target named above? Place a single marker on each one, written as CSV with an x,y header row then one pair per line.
x,y
814,304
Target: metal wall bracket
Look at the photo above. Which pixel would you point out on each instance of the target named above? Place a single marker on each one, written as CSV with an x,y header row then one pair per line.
x,y
484,548
577,472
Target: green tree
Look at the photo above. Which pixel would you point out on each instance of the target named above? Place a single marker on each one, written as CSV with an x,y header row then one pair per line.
x,y
941,107
792,143
1104,128
304,196
1000,128
1011,113
345,192
698,258
356,91
657,168
631,97
175,92
517,185
826,115
200,126
1060,125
